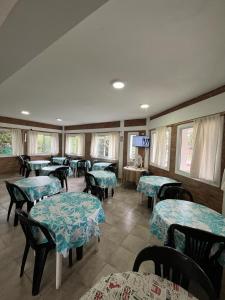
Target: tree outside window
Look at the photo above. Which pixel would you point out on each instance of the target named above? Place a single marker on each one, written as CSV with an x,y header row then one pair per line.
x,y
5,143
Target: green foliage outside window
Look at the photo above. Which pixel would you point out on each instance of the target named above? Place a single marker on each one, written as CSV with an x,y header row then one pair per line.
x,y
5,143
43,143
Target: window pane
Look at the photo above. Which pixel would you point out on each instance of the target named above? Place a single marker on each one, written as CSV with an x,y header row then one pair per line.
x,y
186,149
43,143
5,143
132,149
73,144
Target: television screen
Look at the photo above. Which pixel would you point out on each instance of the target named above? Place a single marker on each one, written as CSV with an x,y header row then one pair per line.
x,y
141,141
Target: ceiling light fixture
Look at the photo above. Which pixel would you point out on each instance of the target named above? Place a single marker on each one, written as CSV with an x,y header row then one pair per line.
x,y
25,112
58,119
144,106
118,85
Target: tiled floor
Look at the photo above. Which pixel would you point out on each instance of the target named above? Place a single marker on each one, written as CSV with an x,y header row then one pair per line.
x,y
124,234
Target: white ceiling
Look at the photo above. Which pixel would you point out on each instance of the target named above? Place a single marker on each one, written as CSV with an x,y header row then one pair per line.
x,y
5,8
166,51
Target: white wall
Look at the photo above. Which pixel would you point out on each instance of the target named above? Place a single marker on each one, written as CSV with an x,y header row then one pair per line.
x,y
207,107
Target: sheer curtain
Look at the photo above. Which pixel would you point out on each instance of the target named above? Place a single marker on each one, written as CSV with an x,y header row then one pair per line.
x,y
206,158
17,142
114,146
113,138
160,151
54,143
94,145
32,142
81,144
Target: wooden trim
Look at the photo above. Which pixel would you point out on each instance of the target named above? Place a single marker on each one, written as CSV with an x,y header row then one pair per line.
x,y
28,123
200,98
134,122
93,126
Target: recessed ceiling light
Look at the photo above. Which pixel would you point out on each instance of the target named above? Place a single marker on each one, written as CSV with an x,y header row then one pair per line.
x,y
58,119
118,85
25,112
144,106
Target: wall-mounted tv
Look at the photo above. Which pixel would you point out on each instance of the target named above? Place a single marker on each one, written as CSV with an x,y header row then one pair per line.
x,y
141,141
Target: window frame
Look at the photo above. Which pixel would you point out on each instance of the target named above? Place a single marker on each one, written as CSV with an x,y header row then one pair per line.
x,y
82,137
129,144
6,155
169,128
42,153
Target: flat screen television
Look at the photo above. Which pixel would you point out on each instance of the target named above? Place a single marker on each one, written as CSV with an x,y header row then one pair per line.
x,y
141,141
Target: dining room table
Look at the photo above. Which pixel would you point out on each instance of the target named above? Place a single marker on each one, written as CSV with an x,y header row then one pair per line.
x,y
150,185
72,219
73,165
37,165
182,212
59,160
100,166
136,286
48,169
39,186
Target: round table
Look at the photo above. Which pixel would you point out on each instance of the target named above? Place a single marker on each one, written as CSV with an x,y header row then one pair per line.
x,y
58,160
186,213
37,165
133,286
105,178
72,218
46,170
40,186
98,166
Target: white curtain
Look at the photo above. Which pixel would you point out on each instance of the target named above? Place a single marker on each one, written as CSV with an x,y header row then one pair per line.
x,y
113,138
206,158
114,146
54,143
160,151
94,145
32,143
81,144
17,142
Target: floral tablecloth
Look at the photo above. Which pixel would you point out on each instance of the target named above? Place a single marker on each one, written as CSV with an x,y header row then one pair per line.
x,y
136,286
46,170
58,160
73,163
40,186
72,218
38,164
150,185
186,213
100,166
105,178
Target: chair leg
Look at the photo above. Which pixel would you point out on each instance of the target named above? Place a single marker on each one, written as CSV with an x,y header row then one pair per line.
x,y
9,210
26,250
66,184
112,192
106,193
29,206
39,265
27,173
70,258
79,252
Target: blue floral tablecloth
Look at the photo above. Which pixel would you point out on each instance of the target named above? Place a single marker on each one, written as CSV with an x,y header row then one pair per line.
x,y
150,185
105,178
58,160
46,170
38,164
72,218
73,163
186,213
39,186
100,166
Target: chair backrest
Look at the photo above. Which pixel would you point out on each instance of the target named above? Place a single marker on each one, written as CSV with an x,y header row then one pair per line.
x,y
82,164
177,192
176,267
32,228
16,194
163,188
67,160
146,173
61,172
90,180
112,168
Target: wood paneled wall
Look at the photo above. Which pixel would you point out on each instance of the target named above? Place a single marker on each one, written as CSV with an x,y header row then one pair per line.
x,y
203,193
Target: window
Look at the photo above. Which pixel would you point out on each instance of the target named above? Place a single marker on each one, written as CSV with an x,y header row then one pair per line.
x,y
105,145
5,142
184,148
131,150
43,143
160,147
75,144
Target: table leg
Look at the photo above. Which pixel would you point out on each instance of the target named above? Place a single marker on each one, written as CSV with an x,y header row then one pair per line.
x,y
154,201
58,270
106,193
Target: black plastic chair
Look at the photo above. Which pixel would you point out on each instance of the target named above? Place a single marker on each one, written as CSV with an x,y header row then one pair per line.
x,y
199,245
61,173
177,192
176,267
22,160
67,160
81,167
162,189
93,187
114,169
17,197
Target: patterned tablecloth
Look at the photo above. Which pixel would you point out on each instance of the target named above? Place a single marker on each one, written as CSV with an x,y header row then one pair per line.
x,y
105,178
150,185
38,164
46,170
136,286
73,163
100,166
37,187
72,218
58,160
186,213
